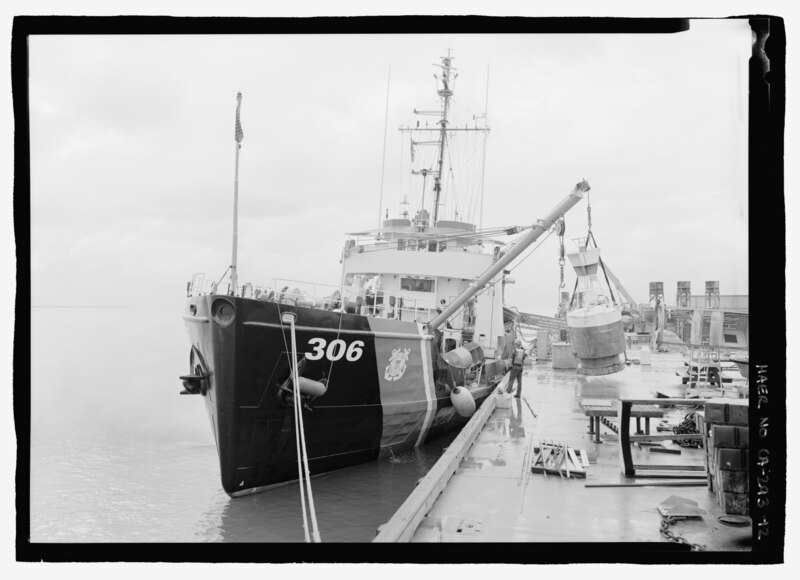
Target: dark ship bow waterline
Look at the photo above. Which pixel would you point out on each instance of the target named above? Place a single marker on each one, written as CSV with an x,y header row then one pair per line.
x,y
382,395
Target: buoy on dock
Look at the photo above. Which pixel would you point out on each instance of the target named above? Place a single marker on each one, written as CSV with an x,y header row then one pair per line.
x,y
595,322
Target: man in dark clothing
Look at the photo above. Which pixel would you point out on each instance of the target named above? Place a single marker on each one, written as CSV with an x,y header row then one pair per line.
x,y
516,359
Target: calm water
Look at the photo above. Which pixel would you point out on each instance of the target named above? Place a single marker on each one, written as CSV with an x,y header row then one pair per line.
x,y
118,456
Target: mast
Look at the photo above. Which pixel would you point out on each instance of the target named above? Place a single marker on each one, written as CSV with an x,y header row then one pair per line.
x,y
445,93
537,230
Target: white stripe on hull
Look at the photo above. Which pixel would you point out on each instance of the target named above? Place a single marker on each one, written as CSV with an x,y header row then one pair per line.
x,y
429,387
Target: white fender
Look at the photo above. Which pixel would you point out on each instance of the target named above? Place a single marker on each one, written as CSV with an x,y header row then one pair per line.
x,y
312,388
462,401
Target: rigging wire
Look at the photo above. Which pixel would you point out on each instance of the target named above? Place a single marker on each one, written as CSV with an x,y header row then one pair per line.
x,y
589,220
590,236
485,122
474,180
385,133
301,435
402,175
297,429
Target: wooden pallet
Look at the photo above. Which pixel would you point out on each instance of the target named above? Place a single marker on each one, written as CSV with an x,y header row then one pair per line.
x,y
553,458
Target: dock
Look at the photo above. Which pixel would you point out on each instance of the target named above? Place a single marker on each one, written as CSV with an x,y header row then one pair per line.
x,y
485,490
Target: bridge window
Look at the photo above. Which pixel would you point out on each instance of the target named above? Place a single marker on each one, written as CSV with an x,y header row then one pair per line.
x,y
418,284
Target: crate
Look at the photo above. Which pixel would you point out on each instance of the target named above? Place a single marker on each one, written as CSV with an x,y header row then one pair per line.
x,y
727,411
734,503
726,439
731,459
732,481
730,436
503,401
708,456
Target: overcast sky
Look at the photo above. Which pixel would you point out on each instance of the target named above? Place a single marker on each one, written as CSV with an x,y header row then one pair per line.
x,y
132,153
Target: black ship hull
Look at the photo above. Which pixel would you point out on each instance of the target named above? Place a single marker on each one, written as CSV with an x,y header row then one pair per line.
x,y
386,388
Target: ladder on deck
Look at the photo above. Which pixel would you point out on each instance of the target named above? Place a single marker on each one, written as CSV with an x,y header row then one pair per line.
x,y
701,364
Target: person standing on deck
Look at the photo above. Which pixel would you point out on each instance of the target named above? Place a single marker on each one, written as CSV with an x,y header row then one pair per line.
x,y
518,356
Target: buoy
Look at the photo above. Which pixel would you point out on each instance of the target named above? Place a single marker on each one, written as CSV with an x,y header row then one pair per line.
x,y
462,401
595,325
312,388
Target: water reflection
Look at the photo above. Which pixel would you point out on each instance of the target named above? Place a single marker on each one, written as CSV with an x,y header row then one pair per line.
x,y
515,428
122,458
350,503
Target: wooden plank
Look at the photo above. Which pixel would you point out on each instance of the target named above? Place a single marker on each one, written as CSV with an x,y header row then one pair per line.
x,y
598,402
653,467
646,411
650,411
584,459
600,412
666,483
668,401
681,475
553,471
574,458
558,460
537,448
668,437
403,524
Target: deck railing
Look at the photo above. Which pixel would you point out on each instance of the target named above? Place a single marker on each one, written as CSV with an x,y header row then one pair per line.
x,y
324,296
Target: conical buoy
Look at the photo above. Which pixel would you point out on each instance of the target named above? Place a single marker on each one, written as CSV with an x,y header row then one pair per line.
x,y
595,326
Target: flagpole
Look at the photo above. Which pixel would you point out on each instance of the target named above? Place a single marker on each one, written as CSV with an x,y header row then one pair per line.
x,y
239,135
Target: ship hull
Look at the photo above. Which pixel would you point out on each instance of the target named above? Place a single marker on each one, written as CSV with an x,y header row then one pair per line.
x,y
386,391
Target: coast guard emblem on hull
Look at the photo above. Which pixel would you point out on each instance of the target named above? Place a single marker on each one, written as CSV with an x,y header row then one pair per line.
x,y
397,365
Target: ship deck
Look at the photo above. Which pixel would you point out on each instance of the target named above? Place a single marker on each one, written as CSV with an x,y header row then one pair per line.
x,y
493,497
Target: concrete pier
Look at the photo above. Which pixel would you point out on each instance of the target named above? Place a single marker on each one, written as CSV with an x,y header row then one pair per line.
x,y
492,497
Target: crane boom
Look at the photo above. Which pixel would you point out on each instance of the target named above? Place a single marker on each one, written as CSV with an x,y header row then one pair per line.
x,y
537,230
619,286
